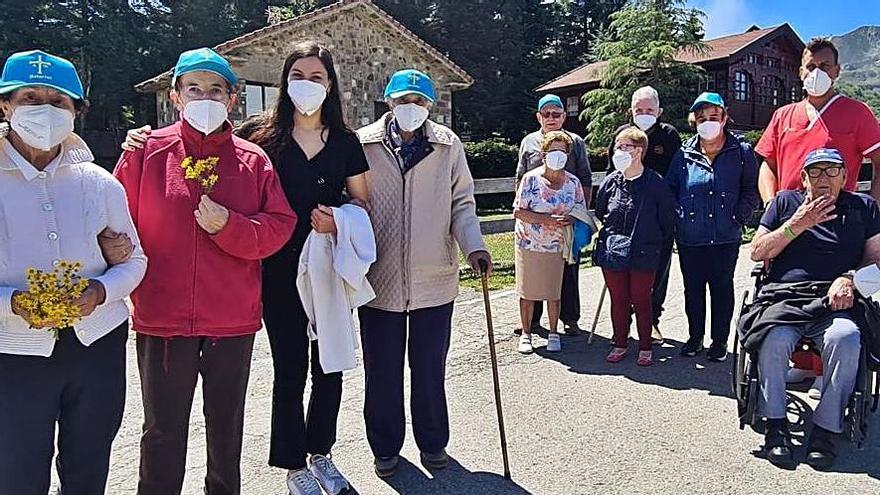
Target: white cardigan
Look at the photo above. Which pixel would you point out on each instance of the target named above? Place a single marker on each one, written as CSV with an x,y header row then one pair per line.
x,y
332,281
53,215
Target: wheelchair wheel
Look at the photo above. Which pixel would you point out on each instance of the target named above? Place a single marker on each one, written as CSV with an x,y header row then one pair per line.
x,y
745,381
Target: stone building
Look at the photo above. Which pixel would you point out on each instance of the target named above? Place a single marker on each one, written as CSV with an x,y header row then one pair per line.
x,y
368,45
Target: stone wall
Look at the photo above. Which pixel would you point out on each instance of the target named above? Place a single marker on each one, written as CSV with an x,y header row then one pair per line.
x,y
366,50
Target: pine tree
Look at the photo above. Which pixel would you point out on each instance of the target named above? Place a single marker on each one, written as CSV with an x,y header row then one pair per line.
x,y
641,46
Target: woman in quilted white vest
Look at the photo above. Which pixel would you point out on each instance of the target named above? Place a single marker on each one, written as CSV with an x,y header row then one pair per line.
x,y
422,200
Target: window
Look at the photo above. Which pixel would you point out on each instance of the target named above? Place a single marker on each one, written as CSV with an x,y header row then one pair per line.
x,y
772,91
258,98
742,85
774,63
796,92
754,59
572,106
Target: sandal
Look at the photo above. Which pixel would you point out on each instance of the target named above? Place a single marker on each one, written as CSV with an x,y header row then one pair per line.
x,y
645,358
617,354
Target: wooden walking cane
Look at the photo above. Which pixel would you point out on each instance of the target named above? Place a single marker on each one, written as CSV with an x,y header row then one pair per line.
x,y
485,280
598,311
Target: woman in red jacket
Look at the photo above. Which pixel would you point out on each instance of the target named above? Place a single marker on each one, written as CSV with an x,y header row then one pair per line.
x,y
208,206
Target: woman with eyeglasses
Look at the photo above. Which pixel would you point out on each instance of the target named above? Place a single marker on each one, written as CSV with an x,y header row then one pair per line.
x,y
637,214
714,178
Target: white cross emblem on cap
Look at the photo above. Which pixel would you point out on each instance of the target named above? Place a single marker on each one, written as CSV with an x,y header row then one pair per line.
x,y
413,78
39,64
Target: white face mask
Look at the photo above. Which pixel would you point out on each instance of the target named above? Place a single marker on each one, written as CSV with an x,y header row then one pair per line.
x,y
621,159
556,160
205,115
42,126
307,96
818,82
410,116
644,121
709,129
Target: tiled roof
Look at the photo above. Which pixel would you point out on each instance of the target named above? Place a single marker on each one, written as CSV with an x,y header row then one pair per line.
x,y
155,83
718,48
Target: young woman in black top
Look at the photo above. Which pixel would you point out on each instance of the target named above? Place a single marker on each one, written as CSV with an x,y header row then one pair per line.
x,y
319,161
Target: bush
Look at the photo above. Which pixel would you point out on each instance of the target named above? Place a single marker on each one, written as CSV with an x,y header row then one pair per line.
x,y
492,158
752,137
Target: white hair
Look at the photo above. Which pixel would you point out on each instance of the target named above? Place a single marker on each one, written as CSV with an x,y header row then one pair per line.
x,y
646,92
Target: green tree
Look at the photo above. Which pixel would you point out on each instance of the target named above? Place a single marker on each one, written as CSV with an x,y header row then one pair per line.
x,y
641,46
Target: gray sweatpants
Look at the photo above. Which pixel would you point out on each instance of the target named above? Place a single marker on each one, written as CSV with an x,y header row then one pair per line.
x,y
840,345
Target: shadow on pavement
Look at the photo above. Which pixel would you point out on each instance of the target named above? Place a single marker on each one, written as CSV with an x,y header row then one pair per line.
x,y
454,480
670,370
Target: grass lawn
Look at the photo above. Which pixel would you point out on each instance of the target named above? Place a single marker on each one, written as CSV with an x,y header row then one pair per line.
x,y
501,248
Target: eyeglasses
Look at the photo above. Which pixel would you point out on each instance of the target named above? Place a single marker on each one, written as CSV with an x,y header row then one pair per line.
x,y
625,147
815,173
216,94
551,115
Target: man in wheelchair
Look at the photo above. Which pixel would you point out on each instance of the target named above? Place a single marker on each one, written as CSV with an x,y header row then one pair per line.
x,y
813,240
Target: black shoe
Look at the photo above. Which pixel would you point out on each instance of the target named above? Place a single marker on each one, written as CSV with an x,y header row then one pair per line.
x,y
692,347
777,447
438,460
717,353
820,448
386,466
571,328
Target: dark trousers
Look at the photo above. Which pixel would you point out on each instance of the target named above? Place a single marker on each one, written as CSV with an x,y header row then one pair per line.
x,y
711,266
661,281
296,434
570,301
169,369
385,343
630,292
79,388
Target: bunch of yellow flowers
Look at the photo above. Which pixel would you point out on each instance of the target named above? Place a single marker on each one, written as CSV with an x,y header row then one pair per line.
x,y
202,171
50,296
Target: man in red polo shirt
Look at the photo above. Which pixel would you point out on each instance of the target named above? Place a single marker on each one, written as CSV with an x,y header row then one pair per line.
x,y
824,119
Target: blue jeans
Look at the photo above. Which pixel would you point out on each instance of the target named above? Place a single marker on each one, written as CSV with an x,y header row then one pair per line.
x,y
840,346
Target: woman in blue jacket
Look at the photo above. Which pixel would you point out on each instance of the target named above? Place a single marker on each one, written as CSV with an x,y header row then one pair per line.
x,y
714,179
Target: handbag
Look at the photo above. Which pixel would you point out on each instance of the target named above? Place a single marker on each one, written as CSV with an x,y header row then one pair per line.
x,y
619,246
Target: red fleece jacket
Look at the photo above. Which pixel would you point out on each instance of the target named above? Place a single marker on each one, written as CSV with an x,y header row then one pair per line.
x,y
199,284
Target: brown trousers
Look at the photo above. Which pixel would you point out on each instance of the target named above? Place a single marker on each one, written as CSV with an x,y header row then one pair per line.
x,y
169,369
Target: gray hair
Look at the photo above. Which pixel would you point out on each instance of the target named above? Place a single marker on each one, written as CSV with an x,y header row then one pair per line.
x,y
646,92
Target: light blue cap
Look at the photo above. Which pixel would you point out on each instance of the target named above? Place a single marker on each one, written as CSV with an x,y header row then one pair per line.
x,y
204,59
550,100
38,68
708,98
410,81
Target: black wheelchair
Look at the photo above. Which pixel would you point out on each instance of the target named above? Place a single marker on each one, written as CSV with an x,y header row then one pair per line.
x,y
746,385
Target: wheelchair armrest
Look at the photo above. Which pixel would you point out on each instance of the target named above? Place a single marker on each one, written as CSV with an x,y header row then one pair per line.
x,y
758,270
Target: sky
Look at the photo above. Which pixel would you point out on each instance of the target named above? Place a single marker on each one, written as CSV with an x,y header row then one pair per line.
x,y
809,18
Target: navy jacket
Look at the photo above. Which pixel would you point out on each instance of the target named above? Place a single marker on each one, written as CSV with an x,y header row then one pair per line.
x,y
617,206
713,201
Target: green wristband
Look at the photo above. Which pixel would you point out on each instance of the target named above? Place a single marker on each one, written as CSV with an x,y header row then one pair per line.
x,y
788,233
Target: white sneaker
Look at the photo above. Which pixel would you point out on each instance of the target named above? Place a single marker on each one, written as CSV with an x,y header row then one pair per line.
x,y
554,343
797,375
330,479
302,482
815,391
525,344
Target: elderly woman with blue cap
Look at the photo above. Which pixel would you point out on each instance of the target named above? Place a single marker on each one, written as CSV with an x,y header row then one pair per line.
x,y
209,207
67,374
714,177
422,198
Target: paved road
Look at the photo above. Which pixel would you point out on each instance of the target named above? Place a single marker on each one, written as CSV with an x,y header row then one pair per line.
x,y
576,425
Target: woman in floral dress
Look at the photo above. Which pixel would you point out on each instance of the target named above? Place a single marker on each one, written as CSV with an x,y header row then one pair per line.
x,y
543,202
